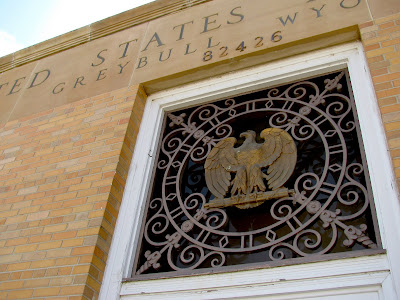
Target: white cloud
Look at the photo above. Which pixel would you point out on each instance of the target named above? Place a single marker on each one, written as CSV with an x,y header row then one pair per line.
x,y
8,44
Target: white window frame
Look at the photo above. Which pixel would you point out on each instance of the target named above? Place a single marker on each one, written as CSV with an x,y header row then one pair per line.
x,y
368,277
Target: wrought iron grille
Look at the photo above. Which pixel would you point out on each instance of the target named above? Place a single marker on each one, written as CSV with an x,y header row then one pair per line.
x,y
274,175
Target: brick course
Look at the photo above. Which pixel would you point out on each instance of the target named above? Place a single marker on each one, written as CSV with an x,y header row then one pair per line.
x,y
62,175
381,40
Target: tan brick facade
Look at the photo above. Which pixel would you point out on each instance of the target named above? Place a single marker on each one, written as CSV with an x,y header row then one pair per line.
x,y
63,173
381,40
62,176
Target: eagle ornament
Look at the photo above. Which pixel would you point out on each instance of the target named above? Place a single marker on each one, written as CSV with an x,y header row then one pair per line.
x,y
247,189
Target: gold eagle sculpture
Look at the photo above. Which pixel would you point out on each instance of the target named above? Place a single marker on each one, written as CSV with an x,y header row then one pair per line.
x,y
278,152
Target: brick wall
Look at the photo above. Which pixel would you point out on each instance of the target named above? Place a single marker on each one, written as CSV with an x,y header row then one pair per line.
x,y
381,39
62,174
63,171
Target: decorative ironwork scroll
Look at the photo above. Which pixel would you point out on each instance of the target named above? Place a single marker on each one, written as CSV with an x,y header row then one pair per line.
x,y
273,175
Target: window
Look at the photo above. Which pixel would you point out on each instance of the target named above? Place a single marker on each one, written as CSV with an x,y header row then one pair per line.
x,y
268,176
320,185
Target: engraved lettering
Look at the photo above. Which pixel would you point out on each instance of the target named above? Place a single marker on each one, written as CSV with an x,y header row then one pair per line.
x,y
142,62
318,11
101,75
34,83
182,29
276,37
60,90
161,55
351,6
102,59
122,67
126,47
187,49
288,18
210,43
241,47
16,84
207,56
1,85
241,17
208,22
224,52
154,38
80,81
259,43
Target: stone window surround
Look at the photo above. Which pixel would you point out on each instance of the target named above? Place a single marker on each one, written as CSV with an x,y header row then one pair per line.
x,y
379,274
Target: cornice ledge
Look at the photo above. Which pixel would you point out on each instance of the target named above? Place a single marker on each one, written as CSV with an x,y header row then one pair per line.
x,y
108,26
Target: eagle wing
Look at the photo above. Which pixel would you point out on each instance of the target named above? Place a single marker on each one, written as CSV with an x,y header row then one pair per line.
x,y
218,163
280,154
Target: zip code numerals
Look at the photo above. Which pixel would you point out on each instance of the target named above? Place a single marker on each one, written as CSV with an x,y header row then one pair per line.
x,y
258,42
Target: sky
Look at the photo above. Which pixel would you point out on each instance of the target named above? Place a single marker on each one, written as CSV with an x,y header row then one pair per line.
x,y
24,23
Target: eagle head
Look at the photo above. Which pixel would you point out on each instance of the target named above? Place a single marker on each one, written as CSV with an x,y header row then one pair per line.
x,y
249,135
